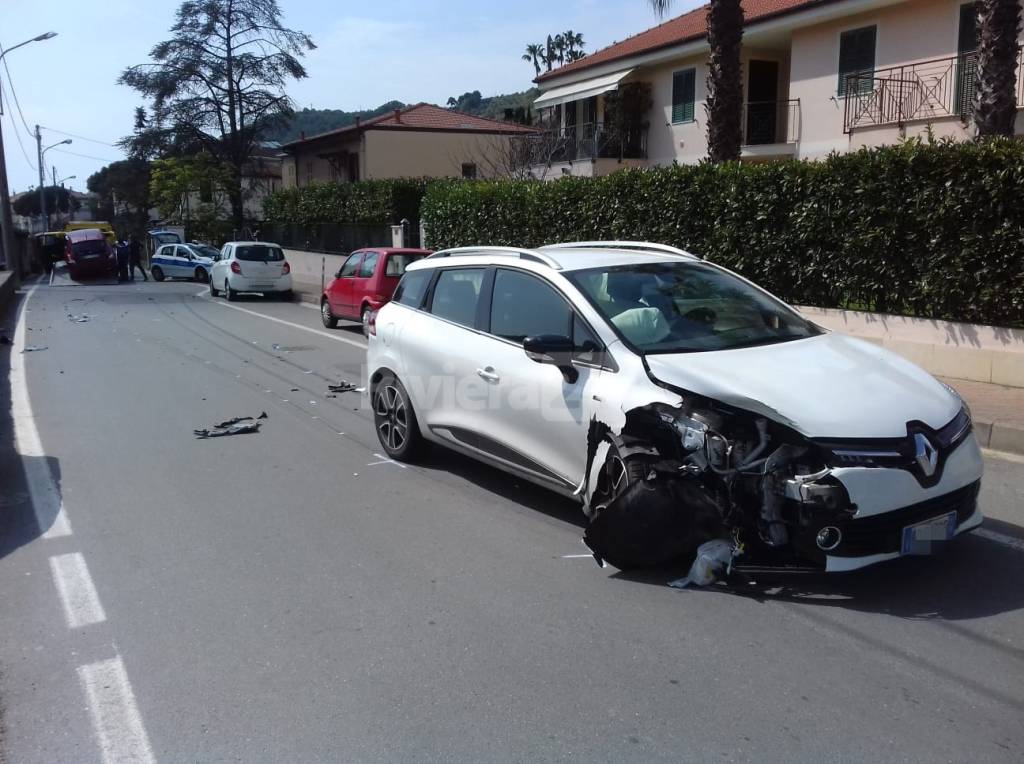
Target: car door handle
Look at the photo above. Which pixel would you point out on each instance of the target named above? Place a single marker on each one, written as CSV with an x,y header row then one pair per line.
x,y
488,373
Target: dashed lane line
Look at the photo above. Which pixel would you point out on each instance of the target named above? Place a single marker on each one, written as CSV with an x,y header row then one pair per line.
x,y
114,712
77,592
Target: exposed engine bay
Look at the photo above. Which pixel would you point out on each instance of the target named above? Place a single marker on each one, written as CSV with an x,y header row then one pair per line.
x,y
676,477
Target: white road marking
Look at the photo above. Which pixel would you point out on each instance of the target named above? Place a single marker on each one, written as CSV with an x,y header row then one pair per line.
x,y
115,715
384,460
1000,538
77,592
292,324
46,501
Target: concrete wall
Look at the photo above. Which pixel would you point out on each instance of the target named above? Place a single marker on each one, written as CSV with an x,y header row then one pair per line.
x,y
965,351
412,153
306,265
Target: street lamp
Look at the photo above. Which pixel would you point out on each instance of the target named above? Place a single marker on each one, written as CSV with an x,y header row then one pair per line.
x,y
61,181
42,177
6,223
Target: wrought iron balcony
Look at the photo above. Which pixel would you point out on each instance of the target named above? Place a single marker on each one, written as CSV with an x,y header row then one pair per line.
x,y
768,122
942,87
593,140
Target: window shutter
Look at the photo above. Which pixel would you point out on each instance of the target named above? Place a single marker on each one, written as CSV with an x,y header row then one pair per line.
x,y
856,56
683,95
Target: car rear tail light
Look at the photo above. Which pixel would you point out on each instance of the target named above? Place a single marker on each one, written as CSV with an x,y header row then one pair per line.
x,y
287,268
372,323
236,268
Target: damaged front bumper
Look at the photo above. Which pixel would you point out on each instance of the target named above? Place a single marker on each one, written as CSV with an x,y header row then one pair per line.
x,y
781,501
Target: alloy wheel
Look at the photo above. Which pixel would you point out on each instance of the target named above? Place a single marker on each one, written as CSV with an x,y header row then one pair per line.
x,y
392,417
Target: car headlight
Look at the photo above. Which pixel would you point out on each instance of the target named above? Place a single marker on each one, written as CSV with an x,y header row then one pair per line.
x,y
952,391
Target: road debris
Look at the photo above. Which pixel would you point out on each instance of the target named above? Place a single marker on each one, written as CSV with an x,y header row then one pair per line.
x,y
34,348
236,426
82,319
344,387
714,558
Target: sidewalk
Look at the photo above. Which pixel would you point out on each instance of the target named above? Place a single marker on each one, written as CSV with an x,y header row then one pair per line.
x,y
998,411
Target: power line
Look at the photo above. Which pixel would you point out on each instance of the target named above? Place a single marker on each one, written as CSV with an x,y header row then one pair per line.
x,y
17,134
79,137
85,156
14,93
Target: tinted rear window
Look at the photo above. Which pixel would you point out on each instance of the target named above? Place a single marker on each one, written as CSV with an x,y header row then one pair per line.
x,y
90,247
456,293
259,253
412,288
398,263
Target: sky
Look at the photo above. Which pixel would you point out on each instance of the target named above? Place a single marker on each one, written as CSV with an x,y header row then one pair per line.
x,y
367,53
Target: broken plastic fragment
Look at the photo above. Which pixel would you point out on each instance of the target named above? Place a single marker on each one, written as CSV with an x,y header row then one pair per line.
x,y
344,387
34,348
236,426
713,559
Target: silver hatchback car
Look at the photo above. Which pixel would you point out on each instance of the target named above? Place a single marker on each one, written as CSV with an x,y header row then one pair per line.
x,y
677,401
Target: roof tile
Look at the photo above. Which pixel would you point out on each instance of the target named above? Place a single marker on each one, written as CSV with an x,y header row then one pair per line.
x,y
690,26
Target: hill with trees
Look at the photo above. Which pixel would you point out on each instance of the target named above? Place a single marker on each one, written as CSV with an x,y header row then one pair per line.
x,y
314,121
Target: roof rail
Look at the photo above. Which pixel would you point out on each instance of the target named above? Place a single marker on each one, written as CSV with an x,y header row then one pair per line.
x,y
639,246
523,254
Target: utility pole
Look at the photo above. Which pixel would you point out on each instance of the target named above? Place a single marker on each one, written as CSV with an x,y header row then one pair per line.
x,y
42,179
10,261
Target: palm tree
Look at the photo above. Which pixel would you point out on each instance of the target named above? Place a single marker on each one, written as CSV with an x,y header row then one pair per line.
x,y
573,45
549,56
559,45
725,76
995,102
534,54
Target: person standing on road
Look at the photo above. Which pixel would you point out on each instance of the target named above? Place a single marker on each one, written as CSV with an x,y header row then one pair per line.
x,y
123,258
135,258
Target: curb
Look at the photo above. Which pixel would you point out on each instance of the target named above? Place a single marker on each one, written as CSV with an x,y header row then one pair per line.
x,y
999,437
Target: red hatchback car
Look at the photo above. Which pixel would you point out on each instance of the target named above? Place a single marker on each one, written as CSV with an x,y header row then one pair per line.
x,y
364,283
89,254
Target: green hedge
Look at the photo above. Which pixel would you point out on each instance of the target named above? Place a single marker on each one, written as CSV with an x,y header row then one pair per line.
x,y
368,202
925,229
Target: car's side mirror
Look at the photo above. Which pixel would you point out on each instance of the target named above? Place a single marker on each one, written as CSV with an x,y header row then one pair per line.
x,y
338,274
552,349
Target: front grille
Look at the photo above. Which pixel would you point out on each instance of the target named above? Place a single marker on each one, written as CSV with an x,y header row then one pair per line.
x,y
879,534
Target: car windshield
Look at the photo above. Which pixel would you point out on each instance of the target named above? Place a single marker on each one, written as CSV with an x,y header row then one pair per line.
x,y
259,253
687,307
204,251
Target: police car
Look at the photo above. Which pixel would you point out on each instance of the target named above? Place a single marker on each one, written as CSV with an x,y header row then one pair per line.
x,y
183,261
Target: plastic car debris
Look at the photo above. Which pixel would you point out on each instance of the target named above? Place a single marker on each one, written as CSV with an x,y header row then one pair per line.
x,y
344,387
236,426
34,348
713,559
82,319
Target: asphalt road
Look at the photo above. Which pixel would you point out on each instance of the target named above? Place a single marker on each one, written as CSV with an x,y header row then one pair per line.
x,y
291,596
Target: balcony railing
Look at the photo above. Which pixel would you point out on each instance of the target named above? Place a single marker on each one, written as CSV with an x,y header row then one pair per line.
x,y
942,87
593,140
768,122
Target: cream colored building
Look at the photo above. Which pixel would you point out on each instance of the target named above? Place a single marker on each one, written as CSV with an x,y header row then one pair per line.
x,y
422,141
819,76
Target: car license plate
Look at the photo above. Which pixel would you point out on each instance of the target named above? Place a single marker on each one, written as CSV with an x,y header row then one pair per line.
x,y
258,287
920,537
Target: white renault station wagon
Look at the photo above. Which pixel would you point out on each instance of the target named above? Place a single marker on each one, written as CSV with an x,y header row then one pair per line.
x,y
678,401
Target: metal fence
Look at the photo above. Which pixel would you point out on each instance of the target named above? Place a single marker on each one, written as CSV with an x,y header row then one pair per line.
x,y
336,239
767,122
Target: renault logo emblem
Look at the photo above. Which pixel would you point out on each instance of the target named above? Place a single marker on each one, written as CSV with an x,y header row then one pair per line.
x,y
925,454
